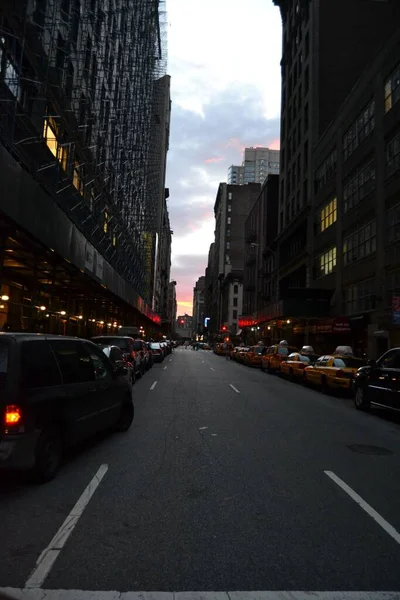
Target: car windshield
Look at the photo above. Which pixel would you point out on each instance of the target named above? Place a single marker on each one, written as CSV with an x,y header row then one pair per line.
x,y
283,350
155,346
3,364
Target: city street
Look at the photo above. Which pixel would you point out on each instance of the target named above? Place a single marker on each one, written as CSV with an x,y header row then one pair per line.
x,y
229,480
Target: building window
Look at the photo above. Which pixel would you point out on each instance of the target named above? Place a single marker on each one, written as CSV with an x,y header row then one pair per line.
x,y
229,220
359,130
359,185
234,315
325,263
393,224
392,286
235,302
393,155
229,207
105,221
228,233
77,178
114,240
360,243
392,89
327,216
236,289
50,134
229,195
360,297
228,245
326,171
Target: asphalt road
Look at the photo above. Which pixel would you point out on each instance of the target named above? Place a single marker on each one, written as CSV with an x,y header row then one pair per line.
x,y
217,488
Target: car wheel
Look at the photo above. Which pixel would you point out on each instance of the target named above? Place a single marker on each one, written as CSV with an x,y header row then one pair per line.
x,y
126,417
48,454
360,399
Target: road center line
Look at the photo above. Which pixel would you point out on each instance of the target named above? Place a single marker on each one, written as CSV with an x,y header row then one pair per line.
x,y
48,557
153,385
165,368
234,389
365,506
212,369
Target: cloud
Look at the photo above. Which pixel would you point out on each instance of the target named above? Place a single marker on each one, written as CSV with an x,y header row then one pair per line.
x,y
225,88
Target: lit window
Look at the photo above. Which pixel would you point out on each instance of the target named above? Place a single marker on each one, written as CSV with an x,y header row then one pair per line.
x,y
105,223
229,220
77,179
114,240
325,263
392,89
327,216
50,135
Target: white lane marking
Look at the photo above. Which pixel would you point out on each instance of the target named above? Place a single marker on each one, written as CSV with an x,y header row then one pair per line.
x,y
48,557
153,385
165,368
170,360
212,369
201,428
19,593
365,506
234,389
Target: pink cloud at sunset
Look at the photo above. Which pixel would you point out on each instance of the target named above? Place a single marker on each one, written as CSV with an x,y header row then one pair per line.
x,y
214,160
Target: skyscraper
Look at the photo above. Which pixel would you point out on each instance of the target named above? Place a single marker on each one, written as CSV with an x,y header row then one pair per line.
x,y
257,164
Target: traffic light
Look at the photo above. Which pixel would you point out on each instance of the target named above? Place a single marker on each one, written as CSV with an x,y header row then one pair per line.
x,y
224,327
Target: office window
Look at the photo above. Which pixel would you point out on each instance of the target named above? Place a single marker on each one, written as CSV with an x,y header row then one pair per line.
x,y
236,289
392,89
327,216
234,315
359,130
360,297
392,286
235,302
360,243
229,208
326,171
228,233
105,221
229,220
77,178
50,133
393,155
393,224
325,263
228,245
229,195
359,185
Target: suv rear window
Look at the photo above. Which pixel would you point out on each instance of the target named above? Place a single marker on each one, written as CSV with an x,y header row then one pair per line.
x,y
3,364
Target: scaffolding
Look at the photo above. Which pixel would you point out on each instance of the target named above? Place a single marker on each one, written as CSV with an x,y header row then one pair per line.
x,y
78,87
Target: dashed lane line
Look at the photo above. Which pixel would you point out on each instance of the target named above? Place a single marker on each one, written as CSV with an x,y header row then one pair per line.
x,y
234,389
153,385
48,557
386,526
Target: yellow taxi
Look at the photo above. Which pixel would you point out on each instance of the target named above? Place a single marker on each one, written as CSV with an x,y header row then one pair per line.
x,y
334,371
241,355
296,362
252,358
273,356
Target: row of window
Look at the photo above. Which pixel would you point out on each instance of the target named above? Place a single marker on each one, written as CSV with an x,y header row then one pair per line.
x,y
326,171
361,183
327,216
359,130
359,297
360,243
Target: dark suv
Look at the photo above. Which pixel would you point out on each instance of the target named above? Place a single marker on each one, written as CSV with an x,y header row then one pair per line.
x,y
56,391
132,350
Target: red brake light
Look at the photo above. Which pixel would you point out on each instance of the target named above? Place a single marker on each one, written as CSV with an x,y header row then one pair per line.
x,y
13,415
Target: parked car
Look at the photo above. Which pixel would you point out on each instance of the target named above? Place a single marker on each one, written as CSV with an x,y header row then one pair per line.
x,y
128,346
379,382
119,362
157,351
55,391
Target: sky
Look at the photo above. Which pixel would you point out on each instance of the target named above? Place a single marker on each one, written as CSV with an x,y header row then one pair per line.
x,y
223,58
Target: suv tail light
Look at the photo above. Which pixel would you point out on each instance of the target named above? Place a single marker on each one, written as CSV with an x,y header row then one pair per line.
x,y
344,375
12,416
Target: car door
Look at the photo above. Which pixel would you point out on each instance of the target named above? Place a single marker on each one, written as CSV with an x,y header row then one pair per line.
x,y
78,379
110,389
384,380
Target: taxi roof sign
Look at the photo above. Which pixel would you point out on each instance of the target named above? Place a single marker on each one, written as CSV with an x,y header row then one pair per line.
x,y
307,350
284,343
344,350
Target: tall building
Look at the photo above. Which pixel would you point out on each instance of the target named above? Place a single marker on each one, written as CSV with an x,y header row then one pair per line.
x,y
232,206
185,322
163,264
157,194
257,164
199,304
317,75
78,86
356,207
172,308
